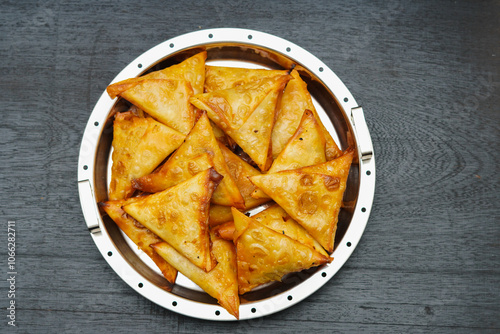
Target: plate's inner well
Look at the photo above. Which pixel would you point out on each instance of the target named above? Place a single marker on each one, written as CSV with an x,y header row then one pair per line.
x,y
237,56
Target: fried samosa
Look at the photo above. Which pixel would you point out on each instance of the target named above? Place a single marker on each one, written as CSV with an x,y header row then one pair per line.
x,y
139,146
275,218
200,140
166,100
264,255
192,70
241,171
246,113
306,147
311,195
296,98
139,234
179,216
220,283
222,77
170,177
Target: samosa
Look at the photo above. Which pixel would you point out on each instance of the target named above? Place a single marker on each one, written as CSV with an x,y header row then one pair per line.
x,y
139,146
264,255
179,216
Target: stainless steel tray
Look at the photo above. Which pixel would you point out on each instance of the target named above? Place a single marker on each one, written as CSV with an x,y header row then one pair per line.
x,y
338,111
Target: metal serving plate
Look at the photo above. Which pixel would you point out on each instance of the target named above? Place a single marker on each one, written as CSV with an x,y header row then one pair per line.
x,y
340,114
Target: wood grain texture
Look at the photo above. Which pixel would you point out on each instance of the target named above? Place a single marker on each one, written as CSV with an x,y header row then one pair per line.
x,y
427,76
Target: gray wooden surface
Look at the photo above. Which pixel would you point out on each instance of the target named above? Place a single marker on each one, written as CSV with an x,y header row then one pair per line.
x,y
427,75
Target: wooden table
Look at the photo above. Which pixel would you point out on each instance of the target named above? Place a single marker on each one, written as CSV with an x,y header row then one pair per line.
x,y
427,76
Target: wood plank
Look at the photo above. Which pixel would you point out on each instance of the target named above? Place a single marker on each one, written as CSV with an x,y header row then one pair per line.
x,y
427,76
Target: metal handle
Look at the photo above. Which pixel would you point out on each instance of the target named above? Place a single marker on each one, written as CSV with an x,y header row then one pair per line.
x,y
364,140
88,206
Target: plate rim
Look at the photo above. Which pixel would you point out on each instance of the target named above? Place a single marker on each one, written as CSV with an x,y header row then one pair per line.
x,y
179,304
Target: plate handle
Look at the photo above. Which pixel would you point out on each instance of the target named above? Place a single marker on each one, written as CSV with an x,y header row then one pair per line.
x,y
88,207
364,140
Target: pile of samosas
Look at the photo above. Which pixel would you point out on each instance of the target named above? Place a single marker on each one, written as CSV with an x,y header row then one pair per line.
x,y
200,146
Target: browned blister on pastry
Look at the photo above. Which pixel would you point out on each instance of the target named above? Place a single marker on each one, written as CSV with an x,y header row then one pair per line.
x,y
264,255
220,283
139,235
139,146
179,216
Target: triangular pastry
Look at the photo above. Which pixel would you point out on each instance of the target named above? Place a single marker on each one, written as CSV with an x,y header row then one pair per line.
x,y
192,70
166,100
296,98
264,255
139,234
222,77
310,195
275,218
171,176
241,171
139,146
246,113
199,141
306,147
179,216
220,283
338,167
231,107
254,137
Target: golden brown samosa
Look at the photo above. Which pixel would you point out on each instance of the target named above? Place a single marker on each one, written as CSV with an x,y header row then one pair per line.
x,y
220,283
139,234
170,177
264,255
223,77
179,216
139,146
296,98
241,171
306,147
246,113
191,69
166,100
311,195
275,218
199,141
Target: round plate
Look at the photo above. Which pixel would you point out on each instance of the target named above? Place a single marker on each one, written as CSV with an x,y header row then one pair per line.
x,y
339,113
